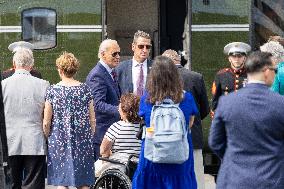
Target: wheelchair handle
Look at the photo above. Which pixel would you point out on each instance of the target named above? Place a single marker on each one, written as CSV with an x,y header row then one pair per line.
x,y
132,155
111,160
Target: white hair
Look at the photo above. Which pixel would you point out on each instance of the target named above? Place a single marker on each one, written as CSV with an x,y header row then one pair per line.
x,y
105,45
275,48
23,57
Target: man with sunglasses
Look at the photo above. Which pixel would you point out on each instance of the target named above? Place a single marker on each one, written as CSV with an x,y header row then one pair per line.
x,y
132,73
230,79
247,131
105,89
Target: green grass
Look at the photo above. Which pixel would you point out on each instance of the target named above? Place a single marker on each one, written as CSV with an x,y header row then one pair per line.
x,y
214,18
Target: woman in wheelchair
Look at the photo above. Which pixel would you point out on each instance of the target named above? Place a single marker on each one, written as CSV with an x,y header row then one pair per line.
x,y
120,139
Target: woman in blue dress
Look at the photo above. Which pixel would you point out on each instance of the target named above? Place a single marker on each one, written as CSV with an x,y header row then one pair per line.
x,y
164,82
69,124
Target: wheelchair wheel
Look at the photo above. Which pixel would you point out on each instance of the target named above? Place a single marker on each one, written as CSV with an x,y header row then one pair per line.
x,y
113,179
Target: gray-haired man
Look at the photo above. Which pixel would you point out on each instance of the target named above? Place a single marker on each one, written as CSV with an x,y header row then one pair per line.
x,y
23,97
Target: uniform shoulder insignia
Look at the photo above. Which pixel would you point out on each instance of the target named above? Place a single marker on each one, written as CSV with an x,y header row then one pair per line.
x,y
223,70
213,89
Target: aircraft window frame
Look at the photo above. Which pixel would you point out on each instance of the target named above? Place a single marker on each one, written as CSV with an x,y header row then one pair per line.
x,y
45,37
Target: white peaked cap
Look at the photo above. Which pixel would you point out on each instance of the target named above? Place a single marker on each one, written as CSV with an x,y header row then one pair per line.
x,y
20,44
237,47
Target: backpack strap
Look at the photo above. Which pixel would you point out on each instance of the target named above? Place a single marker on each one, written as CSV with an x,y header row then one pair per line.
x,y
144,132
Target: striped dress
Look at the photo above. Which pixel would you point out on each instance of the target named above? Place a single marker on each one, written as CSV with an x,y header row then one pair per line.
x,y
123,136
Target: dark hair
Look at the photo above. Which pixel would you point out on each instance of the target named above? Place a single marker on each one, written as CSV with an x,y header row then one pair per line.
x,y
258,60
164,81
130,106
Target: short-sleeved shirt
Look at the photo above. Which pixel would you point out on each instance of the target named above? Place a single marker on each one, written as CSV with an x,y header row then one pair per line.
x,y
123,136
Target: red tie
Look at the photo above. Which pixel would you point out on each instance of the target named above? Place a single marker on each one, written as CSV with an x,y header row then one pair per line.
x,y
113,74
140,81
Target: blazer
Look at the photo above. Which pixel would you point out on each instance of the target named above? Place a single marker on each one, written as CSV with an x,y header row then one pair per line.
x,y
24,97
106,95
194,83
3,142
247,133
124,74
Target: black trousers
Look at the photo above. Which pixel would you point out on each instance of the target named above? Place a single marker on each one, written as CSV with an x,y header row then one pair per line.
x,y
27,171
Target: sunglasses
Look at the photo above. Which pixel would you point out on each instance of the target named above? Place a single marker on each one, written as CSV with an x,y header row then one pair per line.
x,y
273,69
143,46
115,54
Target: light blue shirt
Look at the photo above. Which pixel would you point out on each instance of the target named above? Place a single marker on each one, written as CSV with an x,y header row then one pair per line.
x,y
109,69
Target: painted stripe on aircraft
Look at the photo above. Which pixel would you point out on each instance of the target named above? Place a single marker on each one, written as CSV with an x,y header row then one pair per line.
x,y
220,27
98,28
60,28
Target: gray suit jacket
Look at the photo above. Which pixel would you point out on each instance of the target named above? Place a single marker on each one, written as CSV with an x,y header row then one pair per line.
x,y
24,97
247,133
124,74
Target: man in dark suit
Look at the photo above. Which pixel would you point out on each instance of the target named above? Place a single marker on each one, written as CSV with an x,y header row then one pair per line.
x,y
132,73
105,89
194,83
247,131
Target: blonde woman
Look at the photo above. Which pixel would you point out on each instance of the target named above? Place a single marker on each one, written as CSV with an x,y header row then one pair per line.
x,y
69,124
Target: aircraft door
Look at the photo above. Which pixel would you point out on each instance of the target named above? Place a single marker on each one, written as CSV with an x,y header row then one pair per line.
x,y
124,18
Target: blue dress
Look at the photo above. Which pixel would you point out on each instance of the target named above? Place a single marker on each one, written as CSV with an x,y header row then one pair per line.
x,y
278,84
70,157
166,176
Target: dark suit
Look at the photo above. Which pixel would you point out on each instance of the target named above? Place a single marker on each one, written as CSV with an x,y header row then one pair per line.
x,y
106,95
194,83
247,133
124,74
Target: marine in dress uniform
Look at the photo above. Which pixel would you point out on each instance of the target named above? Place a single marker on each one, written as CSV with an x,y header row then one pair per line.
x,y
14,47
230,79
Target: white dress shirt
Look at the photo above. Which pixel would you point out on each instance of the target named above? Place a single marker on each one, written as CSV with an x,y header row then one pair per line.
x,y
136,73
109,70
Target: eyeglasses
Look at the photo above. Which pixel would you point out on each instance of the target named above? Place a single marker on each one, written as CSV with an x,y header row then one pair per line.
x,y
115,54
143,46
273,69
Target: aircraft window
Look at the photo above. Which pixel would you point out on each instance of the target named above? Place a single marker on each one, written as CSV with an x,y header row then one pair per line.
x,y
39,27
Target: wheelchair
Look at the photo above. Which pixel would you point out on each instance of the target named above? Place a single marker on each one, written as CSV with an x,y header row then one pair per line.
x,y
117,178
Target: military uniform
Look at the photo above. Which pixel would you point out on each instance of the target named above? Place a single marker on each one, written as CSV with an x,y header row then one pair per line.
x,y
14,47
227,80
